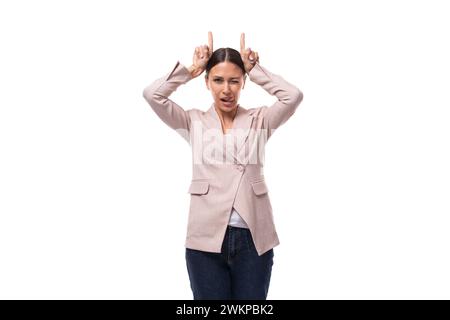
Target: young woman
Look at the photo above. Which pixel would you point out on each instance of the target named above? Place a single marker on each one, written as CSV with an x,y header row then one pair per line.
x,y
231,232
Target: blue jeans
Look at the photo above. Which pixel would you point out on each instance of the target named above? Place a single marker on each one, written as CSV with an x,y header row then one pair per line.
x,y
235,273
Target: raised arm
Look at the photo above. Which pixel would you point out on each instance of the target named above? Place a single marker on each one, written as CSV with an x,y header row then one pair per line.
x,y
288,95
157,93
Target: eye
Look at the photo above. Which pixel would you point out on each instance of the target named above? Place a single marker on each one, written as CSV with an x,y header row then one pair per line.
x,y
234,81
217,80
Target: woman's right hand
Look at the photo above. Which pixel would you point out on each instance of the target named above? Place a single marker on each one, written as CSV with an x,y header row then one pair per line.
x,y
201,57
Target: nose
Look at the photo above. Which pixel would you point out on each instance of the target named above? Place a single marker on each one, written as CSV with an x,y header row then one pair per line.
x,y
226,88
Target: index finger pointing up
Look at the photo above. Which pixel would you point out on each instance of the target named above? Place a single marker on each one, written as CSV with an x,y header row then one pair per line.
x,y
210,41
242,42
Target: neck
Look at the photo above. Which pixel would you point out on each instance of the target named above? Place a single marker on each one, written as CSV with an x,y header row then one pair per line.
x,y
226,119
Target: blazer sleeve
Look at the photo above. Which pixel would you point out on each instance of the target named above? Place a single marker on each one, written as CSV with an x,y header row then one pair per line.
x,y
157,95
288,95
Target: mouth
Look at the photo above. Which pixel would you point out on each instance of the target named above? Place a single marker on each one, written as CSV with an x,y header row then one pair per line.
x,y
227,102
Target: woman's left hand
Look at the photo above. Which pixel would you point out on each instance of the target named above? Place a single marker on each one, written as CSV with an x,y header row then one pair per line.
x,y
249,57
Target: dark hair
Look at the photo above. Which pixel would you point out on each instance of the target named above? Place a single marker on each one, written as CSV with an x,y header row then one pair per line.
x,y
222,55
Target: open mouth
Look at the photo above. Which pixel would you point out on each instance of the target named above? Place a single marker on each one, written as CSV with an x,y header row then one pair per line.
x,y
228,102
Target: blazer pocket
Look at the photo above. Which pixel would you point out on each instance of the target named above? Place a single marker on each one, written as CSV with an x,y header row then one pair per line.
x,y
259,187
199,187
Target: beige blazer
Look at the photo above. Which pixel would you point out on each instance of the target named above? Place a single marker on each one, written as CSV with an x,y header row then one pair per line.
x,y
227,170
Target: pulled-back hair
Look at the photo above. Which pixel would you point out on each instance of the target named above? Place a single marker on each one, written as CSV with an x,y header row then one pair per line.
x,y
222,55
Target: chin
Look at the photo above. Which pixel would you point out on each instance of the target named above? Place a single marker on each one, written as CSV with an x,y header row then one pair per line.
x,y
224,108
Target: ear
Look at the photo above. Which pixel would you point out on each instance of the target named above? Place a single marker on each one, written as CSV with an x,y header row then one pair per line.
x,y
206,82
243,83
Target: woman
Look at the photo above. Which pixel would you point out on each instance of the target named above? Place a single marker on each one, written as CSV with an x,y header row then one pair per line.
x,y
231,233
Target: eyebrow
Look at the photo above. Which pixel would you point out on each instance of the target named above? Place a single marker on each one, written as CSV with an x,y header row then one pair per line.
x,y
219,77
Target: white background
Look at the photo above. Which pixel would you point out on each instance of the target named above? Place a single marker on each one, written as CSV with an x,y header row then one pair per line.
x,y
93,186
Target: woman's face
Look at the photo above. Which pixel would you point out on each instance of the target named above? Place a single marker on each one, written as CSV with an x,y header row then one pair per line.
x,y
225,81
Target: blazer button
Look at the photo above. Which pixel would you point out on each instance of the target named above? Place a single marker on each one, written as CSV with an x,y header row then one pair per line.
x,y
240,167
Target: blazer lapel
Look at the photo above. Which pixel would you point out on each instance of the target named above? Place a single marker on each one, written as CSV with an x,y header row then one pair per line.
x,y
214,120
241,128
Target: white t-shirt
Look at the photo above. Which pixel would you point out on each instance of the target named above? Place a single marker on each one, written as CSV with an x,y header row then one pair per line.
x,y
236,220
